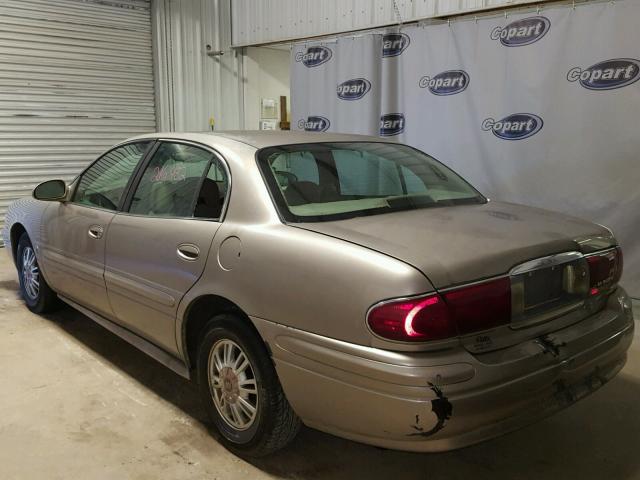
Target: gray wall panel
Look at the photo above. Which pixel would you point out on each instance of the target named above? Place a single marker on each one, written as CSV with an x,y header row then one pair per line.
x,y
256,22
193,86
75,78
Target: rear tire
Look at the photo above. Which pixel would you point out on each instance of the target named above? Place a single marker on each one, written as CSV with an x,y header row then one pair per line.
x,y
34,288
240,389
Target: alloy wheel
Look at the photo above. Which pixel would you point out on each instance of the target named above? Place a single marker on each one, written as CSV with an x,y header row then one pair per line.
x,y
30,273
233,384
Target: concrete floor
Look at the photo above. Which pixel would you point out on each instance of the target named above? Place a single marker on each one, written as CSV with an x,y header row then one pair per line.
x,y
78,402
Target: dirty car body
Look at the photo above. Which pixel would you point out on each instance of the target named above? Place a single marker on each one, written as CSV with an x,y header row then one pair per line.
x,y
405,311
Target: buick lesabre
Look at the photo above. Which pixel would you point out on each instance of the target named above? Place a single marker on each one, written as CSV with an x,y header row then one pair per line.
x,y
348,283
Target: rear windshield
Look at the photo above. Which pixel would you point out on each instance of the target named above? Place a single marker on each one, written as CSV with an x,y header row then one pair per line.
x,y
330,181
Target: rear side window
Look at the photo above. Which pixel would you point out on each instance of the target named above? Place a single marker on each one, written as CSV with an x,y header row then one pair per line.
x,y
181,181
103,184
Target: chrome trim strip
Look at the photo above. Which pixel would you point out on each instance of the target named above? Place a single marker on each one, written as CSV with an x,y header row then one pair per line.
x,y
600,252
594,243
552,260
544,262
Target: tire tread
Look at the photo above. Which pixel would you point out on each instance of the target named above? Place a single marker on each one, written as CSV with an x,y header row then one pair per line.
x,y
286,429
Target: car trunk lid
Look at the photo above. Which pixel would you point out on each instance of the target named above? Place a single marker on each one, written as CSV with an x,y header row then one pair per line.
x,y
461,244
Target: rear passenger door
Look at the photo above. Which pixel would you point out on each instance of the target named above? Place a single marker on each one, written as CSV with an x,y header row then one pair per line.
x,y
157,247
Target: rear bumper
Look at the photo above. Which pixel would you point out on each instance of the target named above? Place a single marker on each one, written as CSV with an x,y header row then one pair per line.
x,y
440,401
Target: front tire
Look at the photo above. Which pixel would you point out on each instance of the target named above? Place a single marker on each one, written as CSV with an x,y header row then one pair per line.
x,y
35,290
240,389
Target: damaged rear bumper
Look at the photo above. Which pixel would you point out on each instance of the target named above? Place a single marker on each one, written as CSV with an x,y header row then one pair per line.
x,y
445,400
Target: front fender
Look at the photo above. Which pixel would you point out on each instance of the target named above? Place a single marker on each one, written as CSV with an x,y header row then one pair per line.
x,y
27,212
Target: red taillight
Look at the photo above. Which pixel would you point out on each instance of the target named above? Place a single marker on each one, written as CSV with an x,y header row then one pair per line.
x,y
619,266
481,306
436,317
414,320
605,270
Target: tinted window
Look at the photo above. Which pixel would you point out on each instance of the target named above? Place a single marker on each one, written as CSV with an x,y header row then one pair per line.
x,y
295,167
359,178
180,181
103,184
412,182
213,192
362,173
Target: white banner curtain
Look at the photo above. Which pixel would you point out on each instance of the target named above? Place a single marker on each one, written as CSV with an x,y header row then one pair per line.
x,y
319,71
540,108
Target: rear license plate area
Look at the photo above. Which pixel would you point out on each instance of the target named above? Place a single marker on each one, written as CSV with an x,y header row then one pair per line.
x,y
547,292
542,287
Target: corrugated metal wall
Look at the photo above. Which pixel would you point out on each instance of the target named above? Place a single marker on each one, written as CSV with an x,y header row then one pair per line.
x,y
193,86
264,21
76,76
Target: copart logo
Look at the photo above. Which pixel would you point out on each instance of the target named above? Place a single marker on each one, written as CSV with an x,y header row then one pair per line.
x,y
314,123
607,75
514,127
354,89
522,32
446,83
314,56
391,124
393,44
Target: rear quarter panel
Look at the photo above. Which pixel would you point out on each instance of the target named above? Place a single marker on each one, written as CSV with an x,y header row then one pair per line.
x,y
303,279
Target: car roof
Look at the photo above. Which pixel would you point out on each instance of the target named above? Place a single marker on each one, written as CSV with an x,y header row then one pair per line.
x,y
261,139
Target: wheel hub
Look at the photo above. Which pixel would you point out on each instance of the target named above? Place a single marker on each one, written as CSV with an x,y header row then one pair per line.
x,y
229,384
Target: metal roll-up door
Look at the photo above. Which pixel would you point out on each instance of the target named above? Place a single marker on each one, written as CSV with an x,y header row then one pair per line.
x,y
76,76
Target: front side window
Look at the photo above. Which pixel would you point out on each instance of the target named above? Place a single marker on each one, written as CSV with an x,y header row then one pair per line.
x,y
181,181
103,184
357,179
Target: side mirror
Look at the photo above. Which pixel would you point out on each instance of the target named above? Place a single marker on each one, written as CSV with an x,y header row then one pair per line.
x,y
52,190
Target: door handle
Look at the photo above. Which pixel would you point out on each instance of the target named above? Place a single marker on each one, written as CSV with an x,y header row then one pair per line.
x,y
188,252
96,231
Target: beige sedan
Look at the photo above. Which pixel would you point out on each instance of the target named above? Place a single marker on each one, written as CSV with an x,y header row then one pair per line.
x,y
348,283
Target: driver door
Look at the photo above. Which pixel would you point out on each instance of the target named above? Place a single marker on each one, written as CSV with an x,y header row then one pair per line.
x,y
74,233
